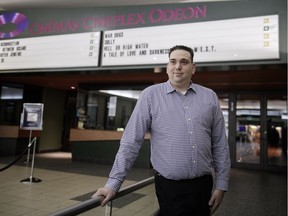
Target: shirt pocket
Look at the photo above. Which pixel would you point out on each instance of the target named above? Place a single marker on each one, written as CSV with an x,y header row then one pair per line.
x,y
204,115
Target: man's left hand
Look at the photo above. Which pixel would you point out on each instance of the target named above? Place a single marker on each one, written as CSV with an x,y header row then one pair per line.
x,y
215,200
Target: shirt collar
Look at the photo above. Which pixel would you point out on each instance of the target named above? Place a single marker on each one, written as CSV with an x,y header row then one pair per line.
x,y
170,88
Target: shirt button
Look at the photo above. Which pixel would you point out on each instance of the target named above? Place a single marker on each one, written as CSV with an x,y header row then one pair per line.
x,y
194,161
193,147
191,132
189,119
186,107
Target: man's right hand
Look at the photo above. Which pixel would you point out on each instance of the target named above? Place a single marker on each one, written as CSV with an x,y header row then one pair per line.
x,y
107,193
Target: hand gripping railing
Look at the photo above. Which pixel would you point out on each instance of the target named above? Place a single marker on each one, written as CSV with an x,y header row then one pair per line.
x,y
94,202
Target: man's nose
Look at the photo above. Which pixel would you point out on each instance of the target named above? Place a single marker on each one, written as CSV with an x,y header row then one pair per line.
x,y
178,65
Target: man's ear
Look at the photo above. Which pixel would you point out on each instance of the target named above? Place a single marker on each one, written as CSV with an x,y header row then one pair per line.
x,y
167,68
193,69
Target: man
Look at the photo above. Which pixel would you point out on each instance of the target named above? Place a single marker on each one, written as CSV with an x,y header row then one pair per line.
x,y
188,142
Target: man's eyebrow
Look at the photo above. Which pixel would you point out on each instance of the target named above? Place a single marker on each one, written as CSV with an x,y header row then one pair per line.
x,y
180,59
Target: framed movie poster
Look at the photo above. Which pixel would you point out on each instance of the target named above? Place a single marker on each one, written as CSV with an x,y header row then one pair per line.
x,y
32,116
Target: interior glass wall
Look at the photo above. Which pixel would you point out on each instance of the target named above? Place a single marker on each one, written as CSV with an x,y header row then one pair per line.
x,y
103,111
10,105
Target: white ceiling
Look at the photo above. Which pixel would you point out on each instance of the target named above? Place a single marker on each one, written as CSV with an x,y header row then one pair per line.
x,y
18,4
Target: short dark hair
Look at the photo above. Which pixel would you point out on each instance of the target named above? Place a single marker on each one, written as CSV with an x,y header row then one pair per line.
x,y
182,47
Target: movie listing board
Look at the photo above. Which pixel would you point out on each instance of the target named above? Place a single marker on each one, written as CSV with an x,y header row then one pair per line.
x,y
61,51
252,38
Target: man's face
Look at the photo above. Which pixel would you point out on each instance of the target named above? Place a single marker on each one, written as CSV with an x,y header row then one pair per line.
x,y
180,69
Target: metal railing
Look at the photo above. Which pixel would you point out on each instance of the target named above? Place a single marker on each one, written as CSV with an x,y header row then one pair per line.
x,y
95,202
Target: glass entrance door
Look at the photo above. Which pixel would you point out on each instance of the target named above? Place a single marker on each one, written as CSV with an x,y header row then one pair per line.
x,y
248,129
276,133
259,132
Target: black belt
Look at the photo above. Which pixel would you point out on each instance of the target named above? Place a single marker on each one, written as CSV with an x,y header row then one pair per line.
x,y
156,173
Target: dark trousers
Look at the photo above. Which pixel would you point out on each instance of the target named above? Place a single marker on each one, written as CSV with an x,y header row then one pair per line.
x,y
184,197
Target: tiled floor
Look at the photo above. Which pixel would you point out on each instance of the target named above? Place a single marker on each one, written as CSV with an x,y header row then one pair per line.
x,y
65,183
